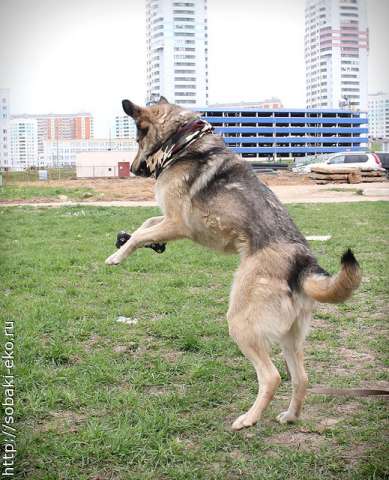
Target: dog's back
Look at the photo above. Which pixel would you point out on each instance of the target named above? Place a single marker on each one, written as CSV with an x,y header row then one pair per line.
x,y
233,211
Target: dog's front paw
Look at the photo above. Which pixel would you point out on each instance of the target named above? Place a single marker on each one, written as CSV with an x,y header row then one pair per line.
x,y
286,417
114,259
246,420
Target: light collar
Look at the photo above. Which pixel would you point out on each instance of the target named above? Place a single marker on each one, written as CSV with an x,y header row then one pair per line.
x,y
167,154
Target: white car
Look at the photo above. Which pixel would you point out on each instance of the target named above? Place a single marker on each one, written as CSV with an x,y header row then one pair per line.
x,y
350,159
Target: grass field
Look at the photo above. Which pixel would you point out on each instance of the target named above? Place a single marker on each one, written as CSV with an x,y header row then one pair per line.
x,y
98,399
18,192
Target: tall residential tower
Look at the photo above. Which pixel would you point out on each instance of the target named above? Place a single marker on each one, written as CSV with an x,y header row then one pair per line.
x,y
336,51
379,115
5,157
177,51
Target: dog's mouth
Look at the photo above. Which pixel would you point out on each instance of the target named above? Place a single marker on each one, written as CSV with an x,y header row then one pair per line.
x,y
145,165
142,170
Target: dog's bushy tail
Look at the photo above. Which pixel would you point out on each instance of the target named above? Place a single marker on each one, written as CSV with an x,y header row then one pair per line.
x,y
336,288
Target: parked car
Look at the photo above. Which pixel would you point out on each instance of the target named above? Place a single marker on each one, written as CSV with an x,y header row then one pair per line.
x,y
384,157
350,159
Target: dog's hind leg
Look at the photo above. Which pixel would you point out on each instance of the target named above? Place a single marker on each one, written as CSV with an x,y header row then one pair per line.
x,y
292,347
254,347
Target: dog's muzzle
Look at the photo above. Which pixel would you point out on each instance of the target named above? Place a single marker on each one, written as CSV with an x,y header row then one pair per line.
x,y
142,171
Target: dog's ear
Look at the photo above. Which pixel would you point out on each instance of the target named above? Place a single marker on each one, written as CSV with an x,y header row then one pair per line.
x,y
131,109
162,100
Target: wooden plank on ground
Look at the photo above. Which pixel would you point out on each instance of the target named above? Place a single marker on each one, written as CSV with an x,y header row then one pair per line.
x,y
333,170
329,177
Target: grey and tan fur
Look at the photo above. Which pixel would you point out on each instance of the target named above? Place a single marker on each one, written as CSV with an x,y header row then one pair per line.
x,y
213,197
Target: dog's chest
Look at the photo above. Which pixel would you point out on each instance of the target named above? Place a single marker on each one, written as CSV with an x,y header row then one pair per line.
x,y
171,196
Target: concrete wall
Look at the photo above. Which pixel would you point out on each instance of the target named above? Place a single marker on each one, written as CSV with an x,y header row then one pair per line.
x,y
101,164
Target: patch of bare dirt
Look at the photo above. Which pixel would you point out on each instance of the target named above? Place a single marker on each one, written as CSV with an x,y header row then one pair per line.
x,y
236,454
285,178
172,356
352,455
156,390
159,390
61,422
129,348
355,358
92,342
348,408
140,189
36,200
300,440
133,188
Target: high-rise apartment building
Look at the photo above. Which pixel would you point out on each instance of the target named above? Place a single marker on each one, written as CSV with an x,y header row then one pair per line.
x,y
5,159
55,127
177,51
72,126
336,52
378,114
24,142
124,127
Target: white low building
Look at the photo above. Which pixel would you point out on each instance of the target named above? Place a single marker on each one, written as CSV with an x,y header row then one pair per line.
x,y
104,164
63,152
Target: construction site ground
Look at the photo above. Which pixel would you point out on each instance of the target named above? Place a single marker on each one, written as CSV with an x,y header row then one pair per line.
x,y
290,188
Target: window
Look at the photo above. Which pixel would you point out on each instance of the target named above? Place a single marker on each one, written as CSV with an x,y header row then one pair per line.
x,y
187,27
184,64
184,57
355,159
184,49
336,160
183,12
185,94
182,101
185,79
182,34
184,71
183,19
184,87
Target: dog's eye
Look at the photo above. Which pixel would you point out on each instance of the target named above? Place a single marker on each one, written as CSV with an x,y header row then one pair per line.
x,y
142,132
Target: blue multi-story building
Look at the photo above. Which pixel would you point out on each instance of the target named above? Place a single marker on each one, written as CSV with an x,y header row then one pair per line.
x,y
288,133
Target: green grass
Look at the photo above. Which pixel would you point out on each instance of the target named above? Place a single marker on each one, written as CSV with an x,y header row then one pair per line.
x,y
155,400
32,175
14,192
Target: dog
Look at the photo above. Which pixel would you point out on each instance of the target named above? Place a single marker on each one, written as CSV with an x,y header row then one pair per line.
x,y
210,195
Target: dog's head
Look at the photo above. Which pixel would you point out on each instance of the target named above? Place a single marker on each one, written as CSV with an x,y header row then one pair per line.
x,y
155,125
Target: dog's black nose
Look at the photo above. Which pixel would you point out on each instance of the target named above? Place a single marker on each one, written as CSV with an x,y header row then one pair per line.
x,y
144,170
141,171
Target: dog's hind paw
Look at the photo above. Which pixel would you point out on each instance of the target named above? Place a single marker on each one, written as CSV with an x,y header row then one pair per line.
x,y
286,417
246,420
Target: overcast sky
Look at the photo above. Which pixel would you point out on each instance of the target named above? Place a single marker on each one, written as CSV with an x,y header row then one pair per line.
x,y
86,55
